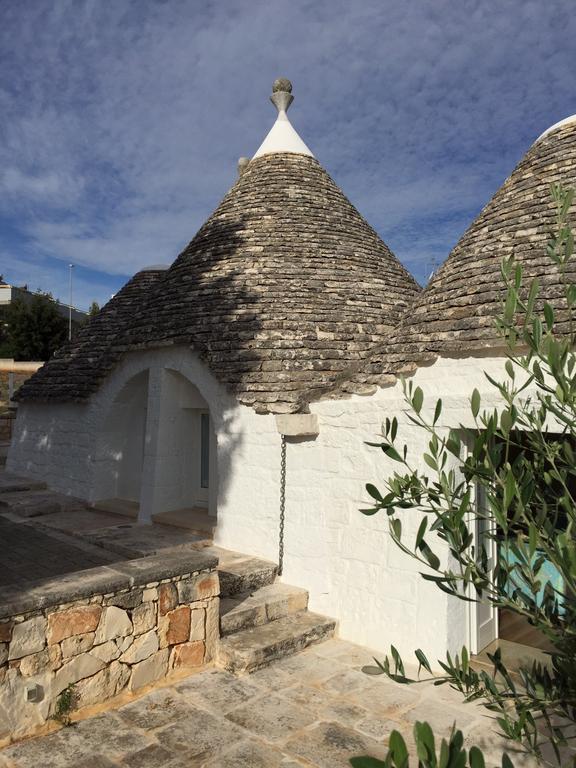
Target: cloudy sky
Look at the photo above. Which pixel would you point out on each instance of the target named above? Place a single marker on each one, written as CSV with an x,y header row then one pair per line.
x,y
121,121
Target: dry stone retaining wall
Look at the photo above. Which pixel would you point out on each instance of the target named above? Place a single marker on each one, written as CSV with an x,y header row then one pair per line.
x,y
124,637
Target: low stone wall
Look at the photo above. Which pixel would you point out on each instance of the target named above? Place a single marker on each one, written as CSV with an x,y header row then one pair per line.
x,y
103,630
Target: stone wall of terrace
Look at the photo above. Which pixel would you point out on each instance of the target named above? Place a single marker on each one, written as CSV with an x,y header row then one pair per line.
x,y
116,627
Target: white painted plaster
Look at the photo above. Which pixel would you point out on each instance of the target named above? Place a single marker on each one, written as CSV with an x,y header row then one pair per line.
x,y
559,124
345,559
282,137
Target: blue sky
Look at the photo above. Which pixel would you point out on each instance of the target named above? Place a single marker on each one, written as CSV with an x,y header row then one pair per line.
x,y
121,121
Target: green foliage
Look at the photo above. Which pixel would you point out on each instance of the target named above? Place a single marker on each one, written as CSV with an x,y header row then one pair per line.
x,y
450,755
35,329
94,309
5,344
513,477
65,704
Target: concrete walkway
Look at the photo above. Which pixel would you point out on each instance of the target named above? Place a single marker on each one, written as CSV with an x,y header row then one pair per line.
x,y
314,709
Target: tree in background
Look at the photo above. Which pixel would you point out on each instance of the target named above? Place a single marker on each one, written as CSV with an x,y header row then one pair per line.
x,y
35,329
94,309
521,461
5,344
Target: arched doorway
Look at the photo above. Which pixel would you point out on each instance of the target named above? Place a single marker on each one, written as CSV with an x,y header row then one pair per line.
x,y
179,478
119,459
185,459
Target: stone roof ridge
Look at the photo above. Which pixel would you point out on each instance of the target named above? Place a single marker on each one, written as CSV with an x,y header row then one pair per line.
x,y
282,137
560,124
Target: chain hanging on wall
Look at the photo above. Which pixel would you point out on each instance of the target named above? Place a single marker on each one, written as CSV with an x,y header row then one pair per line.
x,y
282,503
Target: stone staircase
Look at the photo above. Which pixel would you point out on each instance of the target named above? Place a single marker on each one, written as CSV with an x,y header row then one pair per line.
x,y
261,619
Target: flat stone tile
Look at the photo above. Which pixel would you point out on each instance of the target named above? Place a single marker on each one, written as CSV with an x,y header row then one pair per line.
x,y
54,751
348,681
31,554
250,754
153,756
382,696
272,678
78,520
380,728
308,667
486,736
342,712
199,733
272,717
107,735
308,710
96,761
346,653
308,696
218,691
331,745
155,710
442,716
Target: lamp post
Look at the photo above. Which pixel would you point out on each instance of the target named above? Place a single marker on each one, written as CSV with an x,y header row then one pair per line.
x,y
71,268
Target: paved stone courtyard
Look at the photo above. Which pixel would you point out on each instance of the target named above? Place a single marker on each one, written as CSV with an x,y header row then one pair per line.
x,y
30,554
315,709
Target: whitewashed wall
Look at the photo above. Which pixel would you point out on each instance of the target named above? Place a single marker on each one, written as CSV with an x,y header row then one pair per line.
x,y
345,559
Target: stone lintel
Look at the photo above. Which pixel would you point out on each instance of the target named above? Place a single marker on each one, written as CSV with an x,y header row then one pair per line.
x,y
297,424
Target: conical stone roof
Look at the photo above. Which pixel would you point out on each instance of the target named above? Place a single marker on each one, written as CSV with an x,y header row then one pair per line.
x,y
284,286
79,366
454,316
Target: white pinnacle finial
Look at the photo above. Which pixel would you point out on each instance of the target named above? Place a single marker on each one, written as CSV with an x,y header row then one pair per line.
x,y
282,136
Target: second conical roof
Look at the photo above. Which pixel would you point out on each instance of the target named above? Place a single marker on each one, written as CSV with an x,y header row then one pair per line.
x,y
455,315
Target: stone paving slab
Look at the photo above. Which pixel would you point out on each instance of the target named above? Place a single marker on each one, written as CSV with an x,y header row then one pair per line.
x,y
132,540
30,554
317,709
80,520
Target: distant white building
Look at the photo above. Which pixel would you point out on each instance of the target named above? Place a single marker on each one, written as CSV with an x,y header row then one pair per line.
x,y
280,332
10,293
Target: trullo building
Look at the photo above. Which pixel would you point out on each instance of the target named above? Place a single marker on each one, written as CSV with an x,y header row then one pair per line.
x,y
283,327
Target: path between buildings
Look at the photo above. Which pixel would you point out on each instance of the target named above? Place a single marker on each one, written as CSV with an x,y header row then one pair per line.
x,y
316,709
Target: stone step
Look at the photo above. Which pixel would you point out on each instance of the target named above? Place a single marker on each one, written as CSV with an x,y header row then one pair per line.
x,y
123,507
241,574
10,483
194,519
38,503
253,609
253,648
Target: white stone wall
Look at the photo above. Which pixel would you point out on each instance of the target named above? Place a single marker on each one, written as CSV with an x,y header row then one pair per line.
x,y
345,559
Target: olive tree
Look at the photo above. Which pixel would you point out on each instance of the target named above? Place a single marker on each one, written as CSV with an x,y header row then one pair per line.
x,y
521,458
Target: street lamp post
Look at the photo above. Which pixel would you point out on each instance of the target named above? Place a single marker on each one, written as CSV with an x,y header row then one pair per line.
x,y
71,268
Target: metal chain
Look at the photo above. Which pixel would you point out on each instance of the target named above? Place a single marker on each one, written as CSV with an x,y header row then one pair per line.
x,y
282,504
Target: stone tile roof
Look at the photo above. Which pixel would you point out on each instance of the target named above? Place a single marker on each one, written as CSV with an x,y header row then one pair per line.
x,y
454,315
284,286
78,368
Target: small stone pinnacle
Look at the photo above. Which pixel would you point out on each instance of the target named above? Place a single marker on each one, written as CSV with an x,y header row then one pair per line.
x,y
282,85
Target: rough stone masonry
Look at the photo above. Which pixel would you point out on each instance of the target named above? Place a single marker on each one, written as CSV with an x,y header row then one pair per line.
x,y
103,630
